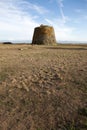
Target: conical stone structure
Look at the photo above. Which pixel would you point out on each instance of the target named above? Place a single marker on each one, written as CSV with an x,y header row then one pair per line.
x,y
44,35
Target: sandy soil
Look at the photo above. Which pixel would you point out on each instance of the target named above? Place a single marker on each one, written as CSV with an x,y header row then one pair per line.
x,y
43,87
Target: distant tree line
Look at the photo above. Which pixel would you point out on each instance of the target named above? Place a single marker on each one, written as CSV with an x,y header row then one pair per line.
x,y
7,42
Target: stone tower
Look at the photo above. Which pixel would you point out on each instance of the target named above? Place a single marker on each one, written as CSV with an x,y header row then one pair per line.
x,y
44,35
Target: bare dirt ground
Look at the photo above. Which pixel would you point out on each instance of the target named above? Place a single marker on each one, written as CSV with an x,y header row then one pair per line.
x,y
43,87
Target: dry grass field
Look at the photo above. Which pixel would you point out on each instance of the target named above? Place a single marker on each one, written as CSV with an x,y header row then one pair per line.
x,y
43,87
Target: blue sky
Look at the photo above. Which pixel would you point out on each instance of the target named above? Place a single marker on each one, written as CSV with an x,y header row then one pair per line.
x,y
18,18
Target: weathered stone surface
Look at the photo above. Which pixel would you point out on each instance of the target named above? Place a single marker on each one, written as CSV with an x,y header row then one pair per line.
x,y
44,35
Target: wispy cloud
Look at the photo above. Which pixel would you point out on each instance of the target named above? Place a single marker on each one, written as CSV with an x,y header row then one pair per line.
x,y
81,15
19,17
62,31
61,5
35,7
85,17
39,9
15,21
78,10
51,1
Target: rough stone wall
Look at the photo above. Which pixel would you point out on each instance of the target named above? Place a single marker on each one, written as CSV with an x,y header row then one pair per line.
x,y
44,35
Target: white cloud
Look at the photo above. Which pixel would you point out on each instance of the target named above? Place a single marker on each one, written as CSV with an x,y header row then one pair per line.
x,y
16,23
85,17
16,19
62,31
39,9
78,10
51,1
61,5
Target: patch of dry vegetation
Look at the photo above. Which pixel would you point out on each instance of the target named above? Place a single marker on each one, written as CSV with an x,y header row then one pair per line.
x,y
43,87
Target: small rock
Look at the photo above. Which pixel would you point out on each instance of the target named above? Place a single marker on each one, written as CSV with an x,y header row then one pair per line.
x,y
14,80
25,87
20,49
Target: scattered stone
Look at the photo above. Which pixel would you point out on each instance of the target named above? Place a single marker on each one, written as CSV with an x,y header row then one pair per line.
x,y
25,87
20,49
14,81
